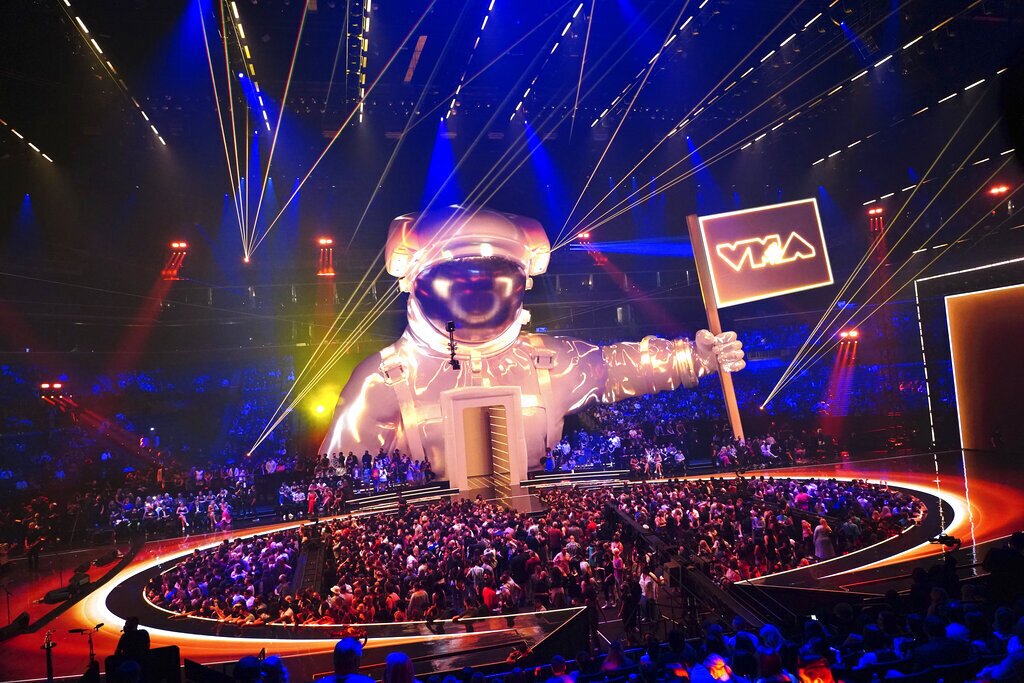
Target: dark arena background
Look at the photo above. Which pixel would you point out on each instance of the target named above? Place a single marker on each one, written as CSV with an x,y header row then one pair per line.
x,y
506,341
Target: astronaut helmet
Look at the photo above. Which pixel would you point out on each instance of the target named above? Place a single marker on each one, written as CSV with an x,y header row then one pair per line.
x,y
469,266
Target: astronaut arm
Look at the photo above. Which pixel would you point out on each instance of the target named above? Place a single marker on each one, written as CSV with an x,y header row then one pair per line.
x,y
653,364
367,415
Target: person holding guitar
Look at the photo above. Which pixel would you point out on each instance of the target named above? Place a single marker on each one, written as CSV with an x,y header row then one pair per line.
x,y
34,541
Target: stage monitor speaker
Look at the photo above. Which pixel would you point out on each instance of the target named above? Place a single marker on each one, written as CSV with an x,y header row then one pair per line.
x,y
83,568
674,574
108,557
18,625
57,595
163,665
198,673
78,580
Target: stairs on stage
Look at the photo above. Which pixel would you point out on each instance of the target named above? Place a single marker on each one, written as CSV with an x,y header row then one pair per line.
x,y
388,500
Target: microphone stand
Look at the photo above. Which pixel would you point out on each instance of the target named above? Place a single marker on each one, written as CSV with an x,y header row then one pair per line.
x,y
452,346
48,646
92,672
7,593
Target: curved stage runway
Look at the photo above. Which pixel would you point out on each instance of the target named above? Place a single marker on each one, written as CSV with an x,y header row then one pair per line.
x,y
970,496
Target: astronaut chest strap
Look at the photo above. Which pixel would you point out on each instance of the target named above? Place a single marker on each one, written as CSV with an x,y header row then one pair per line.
x,y
394,371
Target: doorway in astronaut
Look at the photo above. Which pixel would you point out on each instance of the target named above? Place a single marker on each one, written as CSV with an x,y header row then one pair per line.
x,y
485,446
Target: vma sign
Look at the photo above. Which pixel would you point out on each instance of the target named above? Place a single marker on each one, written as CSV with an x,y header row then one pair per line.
x,y
764,252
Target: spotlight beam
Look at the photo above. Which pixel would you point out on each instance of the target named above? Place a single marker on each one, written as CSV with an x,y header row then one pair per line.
x,y
220,122
625,114
583,63
813,356
907,230
864,259
280,115
391,294
824,350
344,125
615,211
658,145
485,184
378,186
819,329
234,132
493,171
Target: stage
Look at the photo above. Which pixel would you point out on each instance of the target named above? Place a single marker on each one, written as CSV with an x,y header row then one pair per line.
x,y
967,495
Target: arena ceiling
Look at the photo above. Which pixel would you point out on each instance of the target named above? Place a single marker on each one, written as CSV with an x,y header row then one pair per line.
x,y
723,103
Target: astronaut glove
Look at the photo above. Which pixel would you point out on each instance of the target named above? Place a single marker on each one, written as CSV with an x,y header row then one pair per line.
x,y
718,352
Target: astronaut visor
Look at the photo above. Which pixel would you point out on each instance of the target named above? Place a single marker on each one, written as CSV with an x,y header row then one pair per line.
x,y
481,295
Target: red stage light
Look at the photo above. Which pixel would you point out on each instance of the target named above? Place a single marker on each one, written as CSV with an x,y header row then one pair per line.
x,y
325,265
44,385
57,385
175,261
584,235
876,212
245,259
854,333
997,190
844,335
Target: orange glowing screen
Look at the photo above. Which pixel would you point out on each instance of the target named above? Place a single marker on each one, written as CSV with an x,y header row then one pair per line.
x,y
766,251
983,327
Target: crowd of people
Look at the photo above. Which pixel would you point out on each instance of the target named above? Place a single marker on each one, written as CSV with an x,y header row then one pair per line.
x,y
475,558
656,435
86,491
940,630
743,528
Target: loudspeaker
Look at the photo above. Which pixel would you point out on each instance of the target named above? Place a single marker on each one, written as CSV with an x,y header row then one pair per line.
x,y
83,568
108,557
198,673
163,665
17,626
77,581
674,574
57,595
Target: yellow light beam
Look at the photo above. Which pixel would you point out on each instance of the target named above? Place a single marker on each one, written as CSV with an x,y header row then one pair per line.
x,y
695,107
280,115
815,355
820,329
220,122
347,120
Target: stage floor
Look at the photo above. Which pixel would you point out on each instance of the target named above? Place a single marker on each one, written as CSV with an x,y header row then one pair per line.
x,y
978,494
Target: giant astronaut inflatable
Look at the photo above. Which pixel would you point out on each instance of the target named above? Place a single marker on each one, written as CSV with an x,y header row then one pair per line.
x,y
472,267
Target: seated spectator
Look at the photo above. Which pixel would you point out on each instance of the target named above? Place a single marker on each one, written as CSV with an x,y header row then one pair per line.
x,y
247,670
134,642
939,649
347,655
616,659
274,670
398,668
558,671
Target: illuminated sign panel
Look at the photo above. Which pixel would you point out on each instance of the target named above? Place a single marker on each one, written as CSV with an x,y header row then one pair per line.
x,y
759,253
